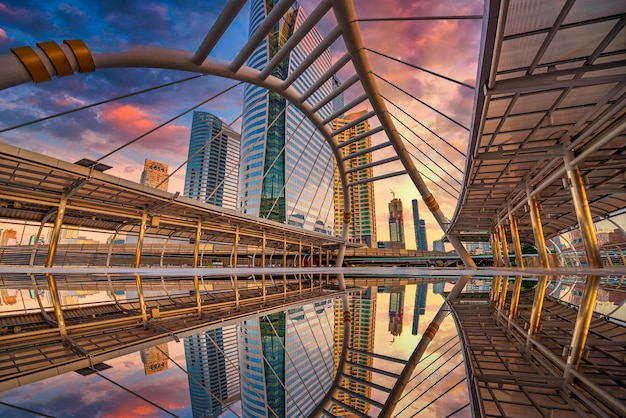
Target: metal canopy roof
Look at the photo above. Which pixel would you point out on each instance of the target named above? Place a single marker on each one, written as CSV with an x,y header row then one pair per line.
x,y
554,84
31,186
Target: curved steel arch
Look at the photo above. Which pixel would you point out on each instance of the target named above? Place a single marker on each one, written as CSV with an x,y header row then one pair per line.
x,y
14,72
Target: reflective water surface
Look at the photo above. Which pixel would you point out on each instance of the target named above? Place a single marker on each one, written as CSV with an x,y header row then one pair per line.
x,y
278,363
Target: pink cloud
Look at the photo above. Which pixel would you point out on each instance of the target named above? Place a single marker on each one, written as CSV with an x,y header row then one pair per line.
x,y
128,122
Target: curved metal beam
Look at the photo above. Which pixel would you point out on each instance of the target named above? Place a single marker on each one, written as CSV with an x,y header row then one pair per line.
x,y
14,72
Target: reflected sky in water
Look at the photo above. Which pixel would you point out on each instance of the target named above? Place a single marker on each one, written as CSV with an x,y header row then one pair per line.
x,y
118,391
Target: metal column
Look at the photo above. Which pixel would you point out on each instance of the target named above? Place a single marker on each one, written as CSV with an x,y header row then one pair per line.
x,y
196,251
507,263
52,285
263,244
519,262
300,266
235,279
590,240
497,262
542,252
136,263
285,265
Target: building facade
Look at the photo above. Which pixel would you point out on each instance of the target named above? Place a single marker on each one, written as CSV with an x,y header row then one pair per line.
x,y
438,245
363,219
363,319
286,361
212,173
419,225
206,367
396,223
286,166
155,175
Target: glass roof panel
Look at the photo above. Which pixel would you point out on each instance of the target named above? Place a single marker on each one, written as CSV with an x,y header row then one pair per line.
x,y
519,52
535,102
576,42
593,9
528,15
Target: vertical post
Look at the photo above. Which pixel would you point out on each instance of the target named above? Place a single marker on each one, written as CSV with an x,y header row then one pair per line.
x,y
507,263
285,265
137,262
263,244
236,251
497,262
52,285
542,252
321,262
519,262
590,240
505,246
236,247
311,258
196,252
300,266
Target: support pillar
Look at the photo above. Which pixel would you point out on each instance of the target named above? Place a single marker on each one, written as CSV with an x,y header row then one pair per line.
x,y
263,246
300,266
196,252
285,266
136,264
592,250
507,263
519,262
311,258
497,262
236,246
540,244
236,252
52,286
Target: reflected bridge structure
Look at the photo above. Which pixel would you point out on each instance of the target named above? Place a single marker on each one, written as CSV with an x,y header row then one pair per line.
x,y
545,155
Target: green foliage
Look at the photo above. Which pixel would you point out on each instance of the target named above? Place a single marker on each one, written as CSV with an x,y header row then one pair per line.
x,y
528,249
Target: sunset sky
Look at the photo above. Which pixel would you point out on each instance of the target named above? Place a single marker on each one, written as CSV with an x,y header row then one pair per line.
x,y
448,47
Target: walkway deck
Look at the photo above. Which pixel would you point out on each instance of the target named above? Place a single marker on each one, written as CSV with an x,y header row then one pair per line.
x,y
37,351
508,379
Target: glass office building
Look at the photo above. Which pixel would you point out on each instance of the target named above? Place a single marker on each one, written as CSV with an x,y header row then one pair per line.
x,y
286,361
286,166
212,173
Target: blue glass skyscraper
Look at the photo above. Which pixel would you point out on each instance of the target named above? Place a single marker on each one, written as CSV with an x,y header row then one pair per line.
x,y
206,367
286,361
286,166
420,228
212,174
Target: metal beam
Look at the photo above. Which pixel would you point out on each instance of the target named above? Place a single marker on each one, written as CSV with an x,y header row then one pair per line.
x,y
322,8
222,23
263,30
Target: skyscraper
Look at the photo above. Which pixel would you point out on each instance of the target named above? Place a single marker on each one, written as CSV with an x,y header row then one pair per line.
x,y
155,175
363,219
286,168
396,223
396,309
363,311
419,306
438,245
286,351
213,157
207,376
420,228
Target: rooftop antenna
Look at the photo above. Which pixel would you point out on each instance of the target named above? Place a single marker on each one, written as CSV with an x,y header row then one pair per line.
x,y
392,193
